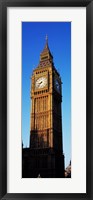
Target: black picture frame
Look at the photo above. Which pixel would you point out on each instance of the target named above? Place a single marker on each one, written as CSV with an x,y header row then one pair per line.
x,y
3,95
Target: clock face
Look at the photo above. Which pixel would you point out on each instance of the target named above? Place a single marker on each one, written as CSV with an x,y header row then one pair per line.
x,y
41,82
57,85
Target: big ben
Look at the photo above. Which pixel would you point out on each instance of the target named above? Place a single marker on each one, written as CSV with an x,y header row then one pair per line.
x,y
46,158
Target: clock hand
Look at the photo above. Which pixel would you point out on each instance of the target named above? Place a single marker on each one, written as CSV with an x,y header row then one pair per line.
x,y
40,82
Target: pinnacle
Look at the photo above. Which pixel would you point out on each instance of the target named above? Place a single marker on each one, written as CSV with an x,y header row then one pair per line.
x,y
46,47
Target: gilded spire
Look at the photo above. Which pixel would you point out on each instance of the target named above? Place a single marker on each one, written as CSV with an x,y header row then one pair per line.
x,y
46,40
46,45
46,37
45,54
46,48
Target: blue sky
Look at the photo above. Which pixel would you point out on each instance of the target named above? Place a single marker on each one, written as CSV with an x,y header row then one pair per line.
x,y
33,41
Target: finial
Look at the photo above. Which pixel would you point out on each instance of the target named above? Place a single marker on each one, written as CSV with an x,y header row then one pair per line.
x,y
46,38
46,46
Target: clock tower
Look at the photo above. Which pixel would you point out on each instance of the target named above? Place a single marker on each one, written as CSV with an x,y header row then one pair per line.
x,y
46,146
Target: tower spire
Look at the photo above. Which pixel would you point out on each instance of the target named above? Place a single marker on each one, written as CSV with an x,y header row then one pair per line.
x,y
46,46
46,38
45,55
